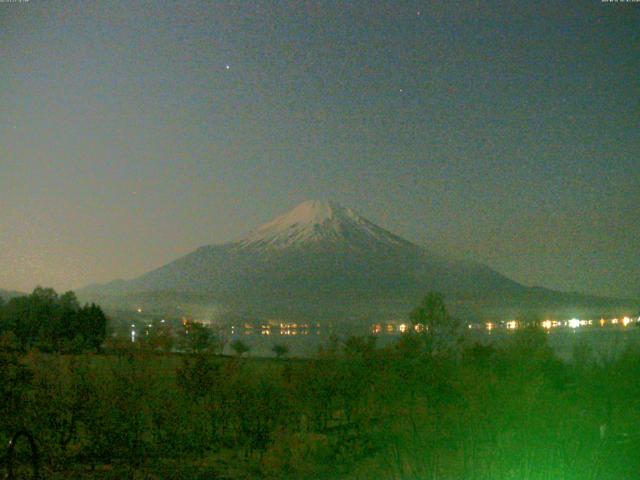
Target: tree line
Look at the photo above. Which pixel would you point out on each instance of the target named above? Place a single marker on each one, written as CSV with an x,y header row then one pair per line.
x,y
430,406
51,323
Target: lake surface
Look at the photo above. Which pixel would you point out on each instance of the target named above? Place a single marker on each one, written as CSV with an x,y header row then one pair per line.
x,y
603,342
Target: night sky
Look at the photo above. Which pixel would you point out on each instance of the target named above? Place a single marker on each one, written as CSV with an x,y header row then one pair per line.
x,y
507,132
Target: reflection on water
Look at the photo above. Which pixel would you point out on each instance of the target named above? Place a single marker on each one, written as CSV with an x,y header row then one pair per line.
x,y
604,338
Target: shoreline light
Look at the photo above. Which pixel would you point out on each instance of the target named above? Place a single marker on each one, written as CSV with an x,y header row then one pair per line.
x,y
574,323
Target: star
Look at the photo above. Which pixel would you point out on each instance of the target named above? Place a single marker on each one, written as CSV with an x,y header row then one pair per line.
x,y
227,67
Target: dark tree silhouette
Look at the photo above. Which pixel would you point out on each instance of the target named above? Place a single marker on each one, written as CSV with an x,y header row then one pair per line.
x,y
239,347
440,331
52,322
198,338
280,350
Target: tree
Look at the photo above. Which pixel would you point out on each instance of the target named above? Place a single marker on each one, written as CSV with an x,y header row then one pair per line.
x,y
357,346
93,326
54,323
69,301
280,350
198,337
196,375
159,337
440,330
45,294
15,378
239,347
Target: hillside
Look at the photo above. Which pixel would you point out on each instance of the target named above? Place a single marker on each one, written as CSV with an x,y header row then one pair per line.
x,y
323,260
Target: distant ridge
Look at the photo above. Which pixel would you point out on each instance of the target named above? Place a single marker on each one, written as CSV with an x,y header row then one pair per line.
x,y
7,294
323,260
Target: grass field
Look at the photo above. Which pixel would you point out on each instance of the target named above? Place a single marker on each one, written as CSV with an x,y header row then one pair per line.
x,y
512,411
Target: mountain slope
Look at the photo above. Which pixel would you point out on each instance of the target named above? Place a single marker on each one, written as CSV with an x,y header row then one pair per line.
x,y
314,222
324,260
7,295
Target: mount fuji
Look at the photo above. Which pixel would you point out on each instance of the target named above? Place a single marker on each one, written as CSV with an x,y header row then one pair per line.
x,y
315,223
324,261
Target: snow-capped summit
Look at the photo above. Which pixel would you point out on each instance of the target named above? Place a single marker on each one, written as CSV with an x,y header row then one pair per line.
x,y
320,221
323,261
